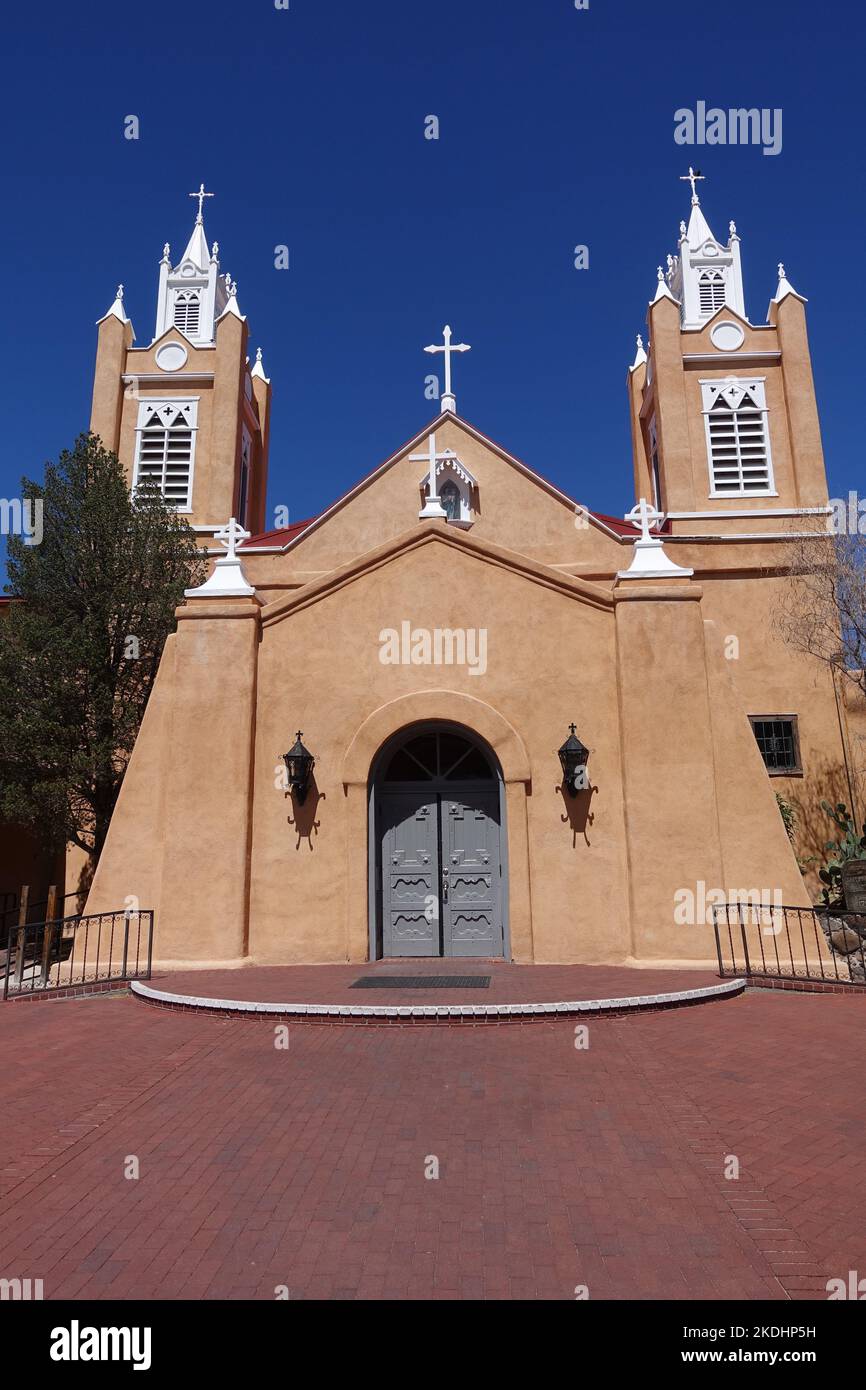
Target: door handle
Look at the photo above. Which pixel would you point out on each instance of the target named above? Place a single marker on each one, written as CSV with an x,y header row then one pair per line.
x,y
444,885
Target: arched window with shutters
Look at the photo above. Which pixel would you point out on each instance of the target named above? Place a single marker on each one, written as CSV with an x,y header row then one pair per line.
x,y
187,309
165,449
738,439
711,291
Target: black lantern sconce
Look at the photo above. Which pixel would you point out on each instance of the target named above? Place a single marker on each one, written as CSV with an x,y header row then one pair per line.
x,y
574,756
299,763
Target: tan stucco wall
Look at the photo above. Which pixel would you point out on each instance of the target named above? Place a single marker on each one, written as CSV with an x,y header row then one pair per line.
x,y
680,795
659,677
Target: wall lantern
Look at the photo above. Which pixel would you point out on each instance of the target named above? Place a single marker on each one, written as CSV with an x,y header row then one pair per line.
x,y
574,757
299,763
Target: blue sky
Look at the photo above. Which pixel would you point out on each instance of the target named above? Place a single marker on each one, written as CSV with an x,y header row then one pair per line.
x,y
556,128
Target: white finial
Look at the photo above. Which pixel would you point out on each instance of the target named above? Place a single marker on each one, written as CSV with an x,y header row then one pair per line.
x,y
693,176
682,229
640,340
227,580
640,355
448,401
258,370
116,309
201,195
258,355
784,288
661,274
214,255
649,560
732,228
165,253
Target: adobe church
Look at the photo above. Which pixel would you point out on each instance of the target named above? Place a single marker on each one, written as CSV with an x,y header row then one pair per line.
x,y
456,713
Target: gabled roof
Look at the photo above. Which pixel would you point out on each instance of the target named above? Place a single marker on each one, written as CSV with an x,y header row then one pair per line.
x,y
283,538
436,533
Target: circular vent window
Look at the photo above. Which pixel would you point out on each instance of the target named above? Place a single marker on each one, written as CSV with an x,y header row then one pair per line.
x,y
727,336
171,357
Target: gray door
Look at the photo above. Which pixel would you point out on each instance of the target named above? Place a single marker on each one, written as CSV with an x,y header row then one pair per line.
x,y
410,873
471,874
441,878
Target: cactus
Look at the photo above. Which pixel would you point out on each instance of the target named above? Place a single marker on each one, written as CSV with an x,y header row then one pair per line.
x,y
850,845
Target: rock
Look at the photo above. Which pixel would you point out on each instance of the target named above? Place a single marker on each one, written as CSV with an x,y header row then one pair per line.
x,y
844,941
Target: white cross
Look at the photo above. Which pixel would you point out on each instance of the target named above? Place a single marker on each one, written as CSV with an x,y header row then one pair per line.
x,y
645,516
448,348
201,195
692,177
231,535
433,506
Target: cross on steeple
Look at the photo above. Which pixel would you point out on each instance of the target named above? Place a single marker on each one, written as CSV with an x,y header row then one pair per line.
x,y
693,176
448,401
201,195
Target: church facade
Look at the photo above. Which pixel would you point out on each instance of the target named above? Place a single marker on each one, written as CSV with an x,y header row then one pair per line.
x,y
456,713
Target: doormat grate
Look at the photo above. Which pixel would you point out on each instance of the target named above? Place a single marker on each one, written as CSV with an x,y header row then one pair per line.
x,y
421,982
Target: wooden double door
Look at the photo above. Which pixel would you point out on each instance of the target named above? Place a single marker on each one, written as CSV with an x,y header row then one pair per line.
x,y
441,869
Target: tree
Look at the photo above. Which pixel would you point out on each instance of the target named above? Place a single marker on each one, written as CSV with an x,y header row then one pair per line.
x,y
822,610
80,652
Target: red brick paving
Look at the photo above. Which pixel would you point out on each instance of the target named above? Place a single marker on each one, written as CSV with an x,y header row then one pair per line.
x,y
558,1166
509,984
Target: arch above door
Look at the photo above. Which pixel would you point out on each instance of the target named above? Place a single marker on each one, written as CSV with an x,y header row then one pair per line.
x,y
449,706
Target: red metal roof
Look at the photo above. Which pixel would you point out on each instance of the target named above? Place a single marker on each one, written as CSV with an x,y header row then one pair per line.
x,y
283,535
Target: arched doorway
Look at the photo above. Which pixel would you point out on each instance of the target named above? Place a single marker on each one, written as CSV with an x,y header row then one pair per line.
x,y
437,845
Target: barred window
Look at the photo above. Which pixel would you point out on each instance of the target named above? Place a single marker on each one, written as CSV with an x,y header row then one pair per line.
x,y
778,739
738,444
164,454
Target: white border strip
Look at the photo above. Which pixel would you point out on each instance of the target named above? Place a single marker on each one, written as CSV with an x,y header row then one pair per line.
x,y
576,1006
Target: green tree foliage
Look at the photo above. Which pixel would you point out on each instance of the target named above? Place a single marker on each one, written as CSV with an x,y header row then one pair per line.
x,y
80,651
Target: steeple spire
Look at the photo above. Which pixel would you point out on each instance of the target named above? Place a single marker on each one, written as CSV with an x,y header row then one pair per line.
x,y
706,275
191,295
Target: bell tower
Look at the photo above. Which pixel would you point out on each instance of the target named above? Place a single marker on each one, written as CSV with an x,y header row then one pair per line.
x,y
725,433
188,412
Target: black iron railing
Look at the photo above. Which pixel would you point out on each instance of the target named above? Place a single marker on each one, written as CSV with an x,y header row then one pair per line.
x,y
73,951
819,944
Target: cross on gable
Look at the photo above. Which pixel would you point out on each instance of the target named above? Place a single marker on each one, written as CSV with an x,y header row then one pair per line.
x,y
447,347
645,516
231,535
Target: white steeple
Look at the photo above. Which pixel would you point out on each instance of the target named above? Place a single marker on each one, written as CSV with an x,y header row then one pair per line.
x,y
191,294
116,310
706,275
258,370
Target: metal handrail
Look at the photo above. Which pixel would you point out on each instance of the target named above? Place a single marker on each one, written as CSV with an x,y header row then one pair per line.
x,y
67,952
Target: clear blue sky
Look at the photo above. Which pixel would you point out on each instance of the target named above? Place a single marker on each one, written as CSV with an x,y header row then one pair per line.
x,y
556,129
